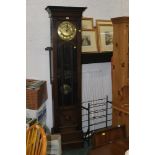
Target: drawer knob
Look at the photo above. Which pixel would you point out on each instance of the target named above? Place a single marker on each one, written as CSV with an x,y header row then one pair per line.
x,y
103,134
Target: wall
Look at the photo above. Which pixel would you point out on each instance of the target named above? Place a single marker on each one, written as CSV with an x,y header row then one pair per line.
x,y
38,30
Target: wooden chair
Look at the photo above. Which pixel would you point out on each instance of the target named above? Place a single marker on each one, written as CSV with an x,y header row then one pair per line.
x,y
36,141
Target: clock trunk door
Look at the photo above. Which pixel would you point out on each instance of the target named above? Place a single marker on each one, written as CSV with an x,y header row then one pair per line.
x,y
67,74
69,110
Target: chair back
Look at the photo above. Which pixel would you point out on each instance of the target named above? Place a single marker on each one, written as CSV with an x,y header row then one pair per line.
x,y
36,141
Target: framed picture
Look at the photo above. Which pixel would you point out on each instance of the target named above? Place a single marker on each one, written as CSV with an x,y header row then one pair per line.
x,y
89,41
105,37
100,21
87,23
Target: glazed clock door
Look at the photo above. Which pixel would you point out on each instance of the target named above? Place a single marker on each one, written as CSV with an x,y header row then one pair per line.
x,y
67,74
69,109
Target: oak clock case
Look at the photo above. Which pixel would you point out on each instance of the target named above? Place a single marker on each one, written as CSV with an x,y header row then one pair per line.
x,y
65,58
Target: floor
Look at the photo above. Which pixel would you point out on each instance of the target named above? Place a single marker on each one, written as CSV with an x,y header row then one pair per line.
x,y
81,151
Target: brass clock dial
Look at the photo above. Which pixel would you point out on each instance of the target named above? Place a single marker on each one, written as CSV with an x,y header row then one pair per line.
x,y
66,30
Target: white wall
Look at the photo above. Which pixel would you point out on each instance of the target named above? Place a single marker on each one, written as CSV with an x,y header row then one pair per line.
x,y
38,30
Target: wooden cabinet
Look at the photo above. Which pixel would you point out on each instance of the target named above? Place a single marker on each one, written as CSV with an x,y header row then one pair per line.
x,y
65,60
117,147
120,71
108,135
121,117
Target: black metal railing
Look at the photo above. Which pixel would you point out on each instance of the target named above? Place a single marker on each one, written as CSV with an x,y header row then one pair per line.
x,y
96,114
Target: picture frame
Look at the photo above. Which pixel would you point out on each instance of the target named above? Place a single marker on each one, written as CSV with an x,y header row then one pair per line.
x,y
89,41
101,21
87,23
105,37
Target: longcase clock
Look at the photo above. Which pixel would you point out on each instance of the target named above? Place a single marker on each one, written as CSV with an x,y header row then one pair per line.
x,y
65,57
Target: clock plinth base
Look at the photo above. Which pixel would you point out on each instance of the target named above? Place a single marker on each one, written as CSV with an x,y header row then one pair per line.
x,y
72,139
72,144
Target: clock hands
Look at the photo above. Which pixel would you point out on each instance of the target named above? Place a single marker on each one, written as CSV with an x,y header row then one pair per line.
x,y
67,28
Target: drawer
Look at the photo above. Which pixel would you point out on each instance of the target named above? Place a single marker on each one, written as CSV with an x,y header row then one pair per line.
x,y
107,135
99,139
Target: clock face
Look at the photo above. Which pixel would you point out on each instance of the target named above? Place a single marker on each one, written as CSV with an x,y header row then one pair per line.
x,y
66,31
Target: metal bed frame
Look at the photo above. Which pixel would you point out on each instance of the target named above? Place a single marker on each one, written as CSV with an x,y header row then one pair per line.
x,y
92,111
